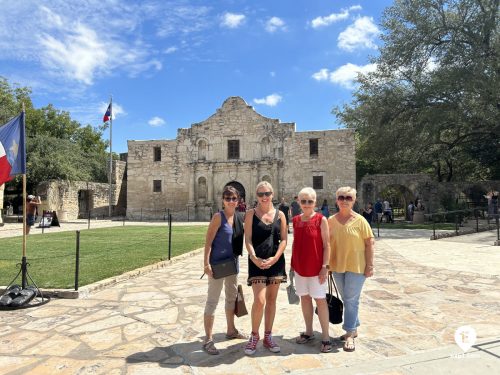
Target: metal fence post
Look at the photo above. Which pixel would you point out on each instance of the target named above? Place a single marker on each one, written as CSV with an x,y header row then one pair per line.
x,y
169,236
77,259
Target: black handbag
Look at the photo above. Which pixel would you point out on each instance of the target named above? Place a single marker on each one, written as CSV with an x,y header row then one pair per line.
x,y
335,305
224,269
240,309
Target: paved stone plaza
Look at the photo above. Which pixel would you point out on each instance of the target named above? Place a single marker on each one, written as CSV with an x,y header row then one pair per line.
x,y
422,292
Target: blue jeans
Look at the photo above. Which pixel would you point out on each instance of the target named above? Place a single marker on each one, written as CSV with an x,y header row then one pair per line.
x,y
349,285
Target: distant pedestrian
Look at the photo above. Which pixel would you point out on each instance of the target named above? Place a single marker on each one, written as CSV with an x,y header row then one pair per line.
x,y
325,210
295,207
32,204
285,208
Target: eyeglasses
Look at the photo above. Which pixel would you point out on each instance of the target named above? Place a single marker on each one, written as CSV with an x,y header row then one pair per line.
x,y
347,198
260,194
231,199
306,201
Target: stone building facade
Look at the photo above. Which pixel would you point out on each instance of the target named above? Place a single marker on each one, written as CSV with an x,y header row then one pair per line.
x,y
238,146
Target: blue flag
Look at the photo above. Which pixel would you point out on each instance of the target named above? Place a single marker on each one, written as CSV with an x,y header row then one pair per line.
x,y
12,149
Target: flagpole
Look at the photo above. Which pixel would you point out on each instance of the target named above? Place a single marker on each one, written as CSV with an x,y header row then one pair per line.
x,y
110,152
24,265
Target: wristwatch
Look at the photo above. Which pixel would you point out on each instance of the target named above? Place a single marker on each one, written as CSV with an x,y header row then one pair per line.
x,y
327,266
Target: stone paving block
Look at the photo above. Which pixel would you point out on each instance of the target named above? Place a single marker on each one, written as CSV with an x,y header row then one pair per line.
x,y
68,366
11,363
58,345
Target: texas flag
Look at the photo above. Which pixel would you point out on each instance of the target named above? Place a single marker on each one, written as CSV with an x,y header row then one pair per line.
x,y
12,149
107,115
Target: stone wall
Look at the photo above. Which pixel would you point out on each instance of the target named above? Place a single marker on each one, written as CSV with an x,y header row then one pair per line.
x,y
195,167
77,199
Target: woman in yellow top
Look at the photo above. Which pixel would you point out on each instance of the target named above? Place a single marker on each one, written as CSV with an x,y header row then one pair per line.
x,y
351,259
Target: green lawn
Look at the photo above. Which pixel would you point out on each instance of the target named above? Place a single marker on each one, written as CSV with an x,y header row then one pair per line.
x,y
104,253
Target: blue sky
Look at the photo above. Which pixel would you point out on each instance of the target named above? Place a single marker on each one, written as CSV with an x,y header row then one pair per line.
x,y
169,64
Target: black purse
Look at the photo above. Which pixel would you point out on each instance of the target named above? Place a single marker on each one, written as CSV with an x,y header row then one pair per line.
x,y
227,268
335,305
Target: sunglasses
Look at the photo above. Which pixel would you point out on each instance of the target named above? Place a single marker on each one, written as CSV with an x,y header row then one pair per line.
x,y
347,198
306,201
266,193
231,199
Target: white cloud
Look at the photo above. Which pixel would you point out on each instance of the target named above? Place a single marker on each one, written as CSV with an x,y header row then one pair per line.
x,y
344,76
156,121
360,34
270,100
232,20
79,54
274,24
334,17
170,50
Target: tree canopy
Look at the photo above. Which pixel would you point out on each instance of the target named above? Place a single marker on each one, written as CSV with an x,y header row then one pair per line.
x,y
432,105
57,147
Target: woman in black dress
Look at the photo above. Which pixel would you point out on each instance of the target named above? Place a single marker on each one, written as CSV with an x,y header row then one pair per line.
x,y
265,240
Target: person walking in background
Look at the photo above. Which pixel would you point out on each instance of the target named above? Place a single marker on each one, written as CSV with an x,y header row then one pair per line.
x,y
295,207
285,208
325,211
224,238
410,210
32,204
310,258
351,259
378,208
368,213
388,212
265,240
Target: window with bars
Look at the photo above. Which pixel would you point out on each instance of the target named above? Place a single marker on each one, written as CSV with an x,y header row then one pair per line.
x,y
157,153
313,147
156,186
317,182
233,149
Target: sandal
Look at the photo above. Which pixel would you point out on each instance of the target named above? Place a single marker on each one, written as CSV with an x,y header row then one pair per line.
x,y
304,338
349,345
209,347
344,336
236,335
326,346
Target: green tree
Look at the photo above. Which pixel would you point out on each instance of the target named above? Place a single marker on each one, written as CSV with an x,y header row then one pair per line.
x,y
433,103
58,147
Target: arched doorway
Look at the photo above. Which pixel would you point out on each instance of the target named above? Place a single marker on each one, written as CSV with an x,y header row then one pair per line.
x,y
238,187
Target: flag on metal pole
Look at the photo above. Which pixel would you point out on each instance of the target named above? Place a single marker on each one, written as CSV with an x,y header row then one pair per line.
x,y
108,116
12,149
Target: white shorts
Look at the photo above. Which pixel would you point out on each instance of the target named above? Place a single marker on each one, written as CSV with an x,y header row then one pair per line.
x,y
310,286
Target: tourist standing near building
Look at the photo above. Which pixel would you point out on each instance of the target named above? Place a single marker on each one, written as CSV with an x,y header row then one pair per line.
x,y
224,240
325,210
295,207
351,259
310,258
265,240
32,204
285,208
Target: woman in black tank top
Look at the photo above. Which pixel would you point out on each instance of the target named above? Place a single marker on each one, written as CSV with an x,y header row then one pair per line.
x,y
265,240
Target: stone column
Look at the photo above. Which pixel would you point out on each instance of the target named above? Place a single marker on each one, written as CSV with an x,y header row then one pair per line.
x,y
210,185
191,185
276,184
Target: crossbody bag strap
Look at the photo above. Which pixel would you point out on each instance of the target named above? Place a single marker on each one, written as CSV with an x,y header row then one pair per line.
x,y
331,282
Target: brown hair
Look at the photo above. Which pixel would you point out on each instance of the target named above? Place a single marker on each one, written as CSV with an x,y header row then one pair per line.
x,y
230,190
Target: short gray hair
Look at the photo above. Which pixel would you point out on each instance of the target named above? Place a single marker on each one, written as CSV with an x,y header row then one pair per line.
x,y
308,191
346,190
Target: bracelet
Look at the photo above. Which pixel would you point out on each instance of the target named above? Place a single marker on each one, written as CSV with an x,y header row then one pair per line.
x,y
370,267
207,265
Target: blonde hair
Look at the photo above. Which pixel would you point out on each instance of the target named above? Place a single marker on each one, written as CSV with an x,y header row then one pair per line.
x,y
264,184
308,191
346,190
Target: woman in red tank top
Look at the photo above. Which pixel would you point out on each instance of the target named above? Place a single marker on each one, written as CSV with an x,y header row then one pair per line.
x,y
310,257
